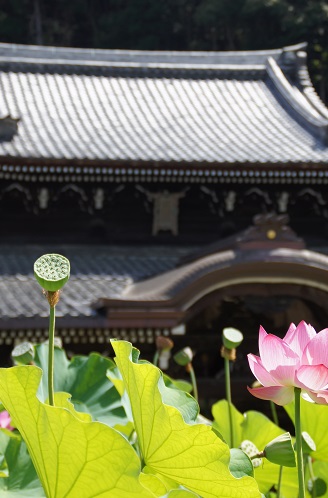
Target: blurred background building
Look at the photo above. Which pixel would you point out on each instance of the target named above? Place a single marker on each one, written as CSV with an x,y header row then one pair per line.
x,y
187,189
184,175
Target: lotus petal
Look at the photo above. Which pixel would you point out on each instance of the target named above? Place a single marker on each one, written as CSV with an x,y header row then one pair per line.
x,y
279,395
316,351
298,337
262,375
313,377
276,353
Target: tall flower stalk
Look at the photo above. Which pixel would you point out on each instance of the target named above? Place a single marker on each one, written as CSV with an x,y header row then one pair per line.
x,y
231,339
163,348
52,272
184,358
228,398
52,319
299,449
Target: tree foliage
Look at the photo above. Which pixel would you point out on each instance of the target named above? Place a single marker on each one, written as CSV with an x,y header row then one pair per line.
x,y
173,25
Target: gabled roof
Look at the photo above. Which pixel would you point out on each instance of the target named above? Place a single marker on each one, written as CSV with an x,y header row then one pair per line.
x,y
110,107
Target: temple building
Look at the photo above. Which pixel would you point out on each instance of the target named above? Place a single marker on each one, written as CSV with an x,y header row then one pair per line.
x,y
188,190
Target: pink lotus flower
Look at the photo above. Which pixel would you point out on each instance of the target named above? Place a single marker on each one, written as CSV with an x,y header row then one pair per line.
x,y
5,421
300,359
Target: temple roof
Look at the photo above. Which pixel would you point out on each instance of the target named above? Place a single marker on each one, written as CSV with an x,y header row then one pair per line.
x,y
123,278
75,106
96,271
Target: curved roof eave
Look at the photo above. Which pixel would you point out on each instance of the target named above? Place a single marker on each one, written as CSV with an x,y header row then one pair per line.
x,y
182,287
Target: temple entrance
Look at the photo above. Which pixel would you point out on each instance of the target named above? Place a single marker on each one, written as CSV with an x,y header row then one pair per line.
x,y
246,307
246,312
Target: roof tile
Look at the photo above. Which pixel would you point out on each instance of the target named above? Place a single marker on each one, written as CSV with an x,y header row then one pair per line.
x,y
166,107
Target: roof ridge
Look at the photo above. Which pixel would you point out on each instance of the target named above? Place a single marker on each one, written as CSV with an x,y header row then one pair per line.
x,y
307,85
135,65
14,53
303,106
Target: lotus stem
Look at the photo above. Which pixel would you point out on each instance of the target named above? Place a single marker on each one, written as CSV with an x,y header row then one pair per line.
x,y
312,476
299,450
51,272
193,380
51,356
228,396
279,481
156,358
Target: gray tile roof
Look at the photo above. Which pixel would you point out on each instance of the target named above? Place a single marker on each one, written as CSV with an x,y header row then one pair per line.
x,y
96,271
164,107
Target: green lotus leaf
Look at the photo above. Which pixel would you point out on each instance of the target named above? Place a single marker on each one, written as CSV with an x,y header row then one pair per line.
x,y
314,421
184,402
171,394
221,421
181,493
180,384
157,483
191,455
22,481
85,378
256,427
240,464
320,469
261,430
73,459
4,441
154,484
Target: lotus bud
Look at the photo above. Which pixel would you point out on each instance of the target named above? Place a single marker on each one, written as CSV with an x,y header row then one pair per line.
x,y
280,451
308,445
317,485
183,357
252,452
23,354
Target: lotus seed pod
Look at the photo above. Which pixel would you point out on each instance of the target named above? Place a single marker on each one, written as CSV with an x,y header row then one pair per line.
x,y
317,485
58,343
232,338
280,451
183,357
52,271
164,343
251,451
23,354
308,445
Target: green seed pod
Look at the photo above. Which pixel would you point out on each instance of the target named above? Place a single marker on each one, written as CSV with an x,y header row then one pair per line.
x,y
318,485
164,343
280,451
58,343
183,357
231,338
308,445
23,354
52,271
